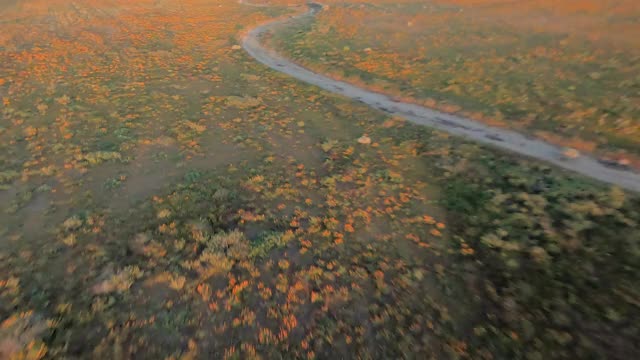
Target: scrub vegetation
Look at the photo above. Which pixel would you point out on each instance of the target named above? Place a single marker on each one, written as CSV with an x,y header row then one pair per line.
x,y
164,196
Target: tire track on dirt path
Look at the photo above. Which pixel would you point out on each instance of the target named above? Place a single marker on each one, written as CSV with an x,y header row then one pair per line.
x,y
469,129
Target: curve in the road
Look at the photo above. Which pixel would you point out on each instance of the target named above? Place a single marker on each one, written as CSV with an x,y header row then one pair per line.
x,y
455,125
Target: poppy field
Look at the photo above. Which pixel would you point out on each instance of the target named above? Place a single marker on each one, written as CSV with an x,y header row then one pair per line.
x,y
564,71
165,196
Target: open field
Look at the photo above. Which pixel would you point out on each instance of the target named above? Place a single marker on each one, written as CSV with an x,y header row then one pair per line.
x,y
566,71
164,196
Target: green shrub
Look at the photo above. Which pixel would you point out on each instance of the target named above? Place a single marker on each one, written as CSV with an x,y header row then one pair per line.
x,y
557,264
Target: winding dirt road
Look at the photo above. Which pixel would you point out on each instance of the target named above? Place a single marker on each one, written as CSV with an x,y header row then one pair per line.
x,y
455,125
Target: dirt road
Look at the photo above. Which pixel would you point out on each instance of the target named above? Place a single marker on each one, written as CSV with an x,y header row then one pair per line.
x,y
455,125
